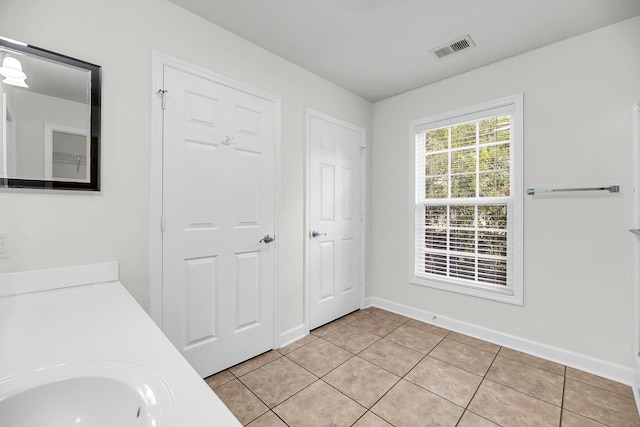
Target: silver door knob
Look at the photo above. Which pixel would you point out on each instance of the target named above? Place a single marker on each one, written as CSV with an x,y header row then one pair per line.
x,y
266,239
316,233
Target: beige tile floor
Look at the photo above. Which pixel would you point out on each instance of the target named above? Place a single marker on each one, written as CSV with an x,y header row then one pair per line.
x,y
376,368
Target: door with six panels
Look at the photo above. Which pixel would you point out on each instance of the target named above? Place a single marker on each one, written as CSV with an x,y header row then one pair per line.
x,y
336,154
219,220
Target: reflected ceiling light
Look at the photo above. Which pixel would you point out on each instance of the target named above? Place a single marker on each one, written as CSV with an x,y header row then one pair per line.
x,y
12,71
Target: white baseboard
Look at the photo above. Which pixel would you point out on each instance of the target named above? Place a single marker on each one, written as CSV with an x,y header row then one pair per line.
x,y
589,364
293,334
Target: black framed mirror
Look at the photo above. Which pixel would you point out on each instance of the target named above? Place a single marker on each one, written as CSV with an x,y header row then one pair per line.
x,y
49,119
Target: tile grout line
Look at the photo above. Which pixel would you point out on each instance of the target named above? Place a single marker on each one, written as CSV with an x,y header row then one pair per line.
x,y
355,354
317,378
257,367
600,388
564,385
450,364
235,377
283,421
530,364
584,415
403,377
258,397
400,378
484,376
466,408
270,409
321,379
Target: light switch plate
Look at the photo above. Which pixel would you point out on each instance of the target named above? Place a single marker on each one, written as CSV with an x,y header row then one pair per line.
x,y
4,245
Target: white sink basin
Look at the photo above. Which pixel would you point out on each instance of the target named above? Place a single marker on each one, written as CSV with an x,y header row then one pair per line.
x,y
87,394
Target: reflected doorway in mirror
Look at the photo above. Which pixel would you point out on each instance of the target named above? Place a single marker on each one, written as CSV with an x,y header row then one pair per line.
x,y
66,151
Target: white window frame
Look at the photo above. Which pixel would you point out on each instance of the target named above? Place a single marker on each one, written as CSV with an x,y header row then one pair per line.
x,y
514,106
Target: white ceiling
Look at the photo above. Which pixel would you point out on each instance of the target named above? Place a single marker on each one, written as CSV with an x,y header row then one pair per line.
x,y
380,48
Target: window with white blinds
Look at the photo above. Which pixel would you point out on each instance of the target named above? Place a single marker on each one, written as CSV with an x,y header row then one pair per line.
x,y
468,200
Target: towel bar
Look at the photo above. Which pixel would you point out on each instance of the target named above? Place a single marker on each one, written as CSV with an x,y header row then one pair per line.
x,y
611,189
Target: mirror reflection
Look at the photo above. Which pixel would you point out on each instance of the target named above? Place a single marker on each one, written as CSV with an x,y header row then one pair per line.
x,y
49,124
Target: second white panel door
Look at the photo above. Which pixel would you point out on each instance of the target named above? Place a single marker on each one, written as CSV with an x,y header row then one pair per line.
x,y
335,219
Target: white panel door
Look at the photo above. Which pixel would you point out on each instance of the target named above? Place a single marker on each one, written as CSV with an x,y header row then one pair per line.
x,y
218,204
335,219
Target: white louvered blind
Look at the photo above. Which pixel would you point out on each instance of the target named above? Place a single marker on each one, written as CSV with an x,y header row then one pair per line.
x,y
464,200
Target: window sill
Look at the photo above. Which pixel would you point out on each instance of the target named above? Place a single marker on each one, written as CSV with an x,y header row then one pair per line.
x,y
510,296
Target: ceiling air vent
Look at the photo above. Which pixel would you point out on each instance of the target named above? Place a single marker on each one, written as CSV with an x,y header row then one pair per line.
x,y
453,46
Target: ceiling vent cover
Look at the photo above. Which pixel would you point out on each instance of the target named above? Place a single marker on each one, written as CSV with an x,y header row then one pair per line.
x,y
453,46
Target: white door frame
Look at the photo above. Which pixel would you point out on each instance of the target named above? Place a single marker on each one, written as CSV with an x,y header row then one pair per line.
x,y
49,129
635,252
158,62
308,114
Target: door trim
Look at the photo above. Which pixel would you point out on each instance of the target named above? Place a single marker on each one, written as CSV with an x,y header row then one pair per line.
x,y
308,114
635,250
158,61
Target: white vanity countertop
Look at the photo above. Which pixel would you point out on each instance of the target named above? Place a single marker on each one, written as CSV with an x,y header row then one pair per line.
x,y
99,322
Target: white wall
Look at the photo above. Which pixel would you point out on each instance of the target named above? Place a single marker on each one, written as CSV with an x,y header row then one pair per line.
x,y
64,228
578,97
3,118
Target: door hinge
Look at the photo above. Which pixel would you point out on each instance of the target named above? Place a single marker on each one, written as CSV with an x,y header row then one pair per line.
x,y
363,150
163,97
163,223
